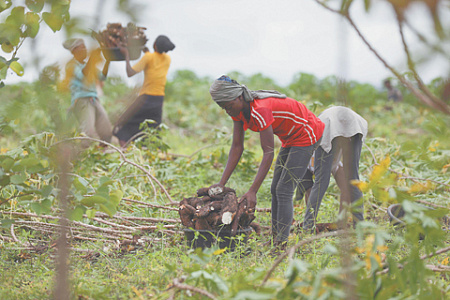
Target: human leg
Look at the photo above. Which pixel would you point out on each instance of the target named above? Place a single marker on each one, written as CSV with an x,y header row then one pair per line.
x,y
102,124
322,171
350,160
279,166
293,169
85,114
304,186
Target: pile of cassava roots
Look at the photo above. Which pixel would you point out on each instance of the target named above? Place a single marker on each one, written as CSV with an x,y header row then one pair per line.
x,y
115,35
217,208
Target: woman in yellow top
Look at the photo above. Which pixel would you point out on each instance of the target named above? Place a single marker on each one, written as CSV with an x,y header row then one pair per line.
x,y
150,101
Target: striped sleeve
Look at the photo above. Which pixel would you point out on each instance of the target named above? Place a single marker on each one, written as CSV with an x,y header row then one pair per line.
x,y
262,117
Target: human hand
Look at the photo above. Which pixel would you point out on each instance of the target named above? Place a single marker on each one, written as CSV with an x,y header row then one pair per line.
x,y
251,199
123,50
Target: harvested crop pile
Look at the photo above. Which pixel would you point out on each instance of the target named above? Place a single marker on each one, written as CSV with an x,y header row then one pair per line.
x,y
116,35
217,208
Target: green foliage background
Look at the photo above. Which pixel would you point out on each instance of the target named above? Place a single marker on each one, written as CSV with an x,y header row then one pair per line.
x,y
34,118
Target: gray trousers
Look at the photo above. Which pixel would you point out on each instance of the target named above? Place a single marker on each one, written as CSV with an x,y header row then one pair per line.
x,y
93,119
290,167
351,152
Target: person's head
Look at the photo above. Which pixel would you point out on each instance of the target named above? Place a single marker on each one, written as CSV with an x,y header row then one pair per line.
x,y
162,44
387,84
230,95
77,48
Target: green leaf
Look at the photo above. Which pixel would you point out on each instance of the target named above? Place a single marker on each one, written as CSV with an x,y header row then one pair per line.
x,y
6,223
36,207
29,162
115,197
80,185
17,16
7,163
77,213
17,68
18,178
5,4
252,295
7,47
35,5
53,21
108,208
105,181
93,200
32,23
90,213
5,180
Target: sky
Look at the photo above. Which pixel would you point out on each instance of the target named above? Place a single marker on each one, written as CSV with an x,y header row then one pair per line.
x,y
276,38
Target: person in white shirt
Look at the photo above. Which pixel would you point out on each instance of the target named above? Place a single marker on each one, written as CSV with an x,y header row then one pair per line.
x,y
338,154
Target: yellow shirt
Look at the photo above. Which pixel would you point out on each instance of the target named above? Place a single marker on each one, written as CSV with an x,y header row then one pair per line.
x,y
155,66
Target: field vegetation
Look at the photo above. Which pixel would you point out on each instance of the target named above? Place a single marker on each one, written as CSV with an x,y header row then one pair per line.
x,y
123,231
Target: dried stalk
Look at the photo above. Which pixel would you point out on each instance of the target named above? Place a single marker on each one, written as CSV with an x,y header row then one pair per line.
x,y
124,159
151,205
178,284
432,102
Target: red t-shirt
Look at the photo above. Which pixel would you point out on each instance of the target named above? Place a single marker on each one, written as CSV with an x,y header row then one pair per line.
x,y
291,121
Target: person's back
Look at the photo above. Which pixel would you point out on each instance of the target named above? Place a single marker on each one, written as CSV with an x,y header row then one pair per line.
x,y
155,66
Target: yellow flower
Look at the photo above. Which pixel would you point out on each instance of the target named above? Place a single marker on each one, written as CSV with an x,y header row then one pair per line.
x,y
444,168
361,185
3,150
219,251
379,170
445,261
421,187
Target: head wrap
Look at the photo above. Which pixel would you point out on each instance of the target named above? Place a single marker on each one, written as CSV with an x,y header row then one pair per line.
x,y
163,44
72,44
225,89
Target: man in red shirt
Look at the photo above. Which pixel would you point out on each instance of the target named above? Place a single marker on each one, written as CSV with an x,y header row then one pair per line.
x,y
270,113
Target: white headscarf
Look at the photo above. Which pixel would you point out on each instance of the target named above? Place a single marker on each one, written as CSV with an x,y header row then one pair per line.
x,y
71,44
226,89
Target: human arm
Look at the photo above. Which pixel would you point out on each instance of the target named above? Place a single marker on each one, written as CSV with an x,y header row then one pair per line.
x,y
90,68
130,70
267,145
106,68
236,150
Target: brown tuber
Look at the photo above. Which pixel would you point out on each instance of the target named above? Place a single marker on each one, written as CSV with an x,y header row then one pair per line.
x,y
217,208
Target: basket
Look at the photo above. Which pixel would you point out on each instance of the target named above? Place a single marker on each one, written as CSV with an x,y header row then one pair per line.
x,y
114,54
396,213
208,238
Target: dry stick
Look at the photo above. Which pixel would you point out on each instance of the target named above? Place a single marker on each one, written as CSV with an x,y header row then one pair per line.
x,y
5,238
403,175
432,102
150,205
177,283
292,250
147,219
439,268
440,251
122,155
412,68
417,178
13,235
151,182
